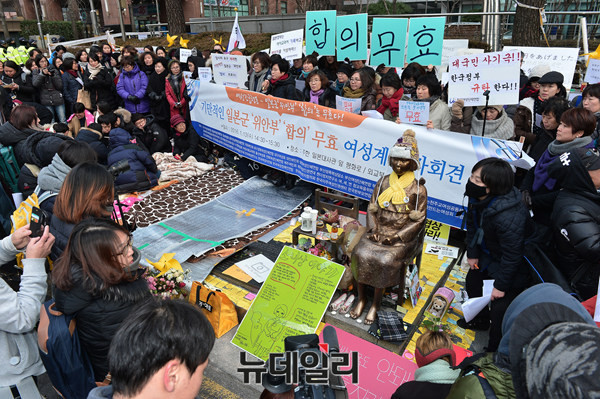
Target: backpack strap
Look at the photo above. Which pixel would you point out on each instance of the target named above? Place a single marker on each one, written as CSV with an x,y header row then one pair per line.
x,y
488,391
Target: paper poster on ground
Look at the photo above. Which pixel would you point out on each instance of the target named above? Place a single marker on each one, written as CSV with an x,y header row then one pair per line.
x,y
562,59
436,232
288,44
593,72
258,267
291,302
471,76
229,70
380,371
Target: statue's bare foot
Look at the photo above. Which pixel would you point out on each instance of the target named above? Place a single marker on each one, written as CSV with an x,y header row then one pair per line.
x,y
358,309
371,315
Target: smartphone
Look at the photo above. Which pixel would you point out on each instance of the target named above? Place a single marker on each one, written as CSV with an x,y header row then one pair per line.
x,y
38,222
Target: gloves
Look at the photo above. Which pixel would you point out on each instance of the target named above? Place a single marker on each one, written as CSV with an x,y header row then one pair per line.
x,y
457,109
152,96
133,99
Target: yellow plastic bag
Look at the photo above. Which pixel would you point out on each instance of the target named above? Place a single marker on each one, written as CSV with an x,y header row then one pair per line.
x,y
216,306
21,217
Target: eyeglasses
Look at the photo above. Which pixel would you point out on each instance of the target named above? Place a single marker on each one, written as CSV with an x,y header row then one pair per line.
x,y
128,245
315,81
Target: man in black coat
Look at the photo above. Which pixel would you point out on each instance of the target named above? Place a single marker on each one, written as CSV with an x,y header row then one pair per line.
x,y
92,135
148,132
576,218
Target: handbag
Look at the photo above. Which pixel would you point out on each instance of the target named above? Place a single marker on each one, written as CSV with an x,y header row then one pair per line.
x,y
216,306
83,96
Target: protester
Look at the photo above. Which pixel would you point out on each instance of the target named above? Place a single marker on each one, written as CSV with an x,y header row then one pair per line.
x,y
410,75
72,83
497,125
92,282
317,90
260,71
132,87
177,96
81,118
528,117
296,69
282,84
329,65
156,92
552,111
160,52
591,102
539,189
99,83
429,90
47,80
86,192
186,140
497,226
343,78
23,123
147,65
50,179
142,173
532,87
18,84
20,357
92,135
391,86
309,64
82,58
576,218
153,354
433,379
150,134
361,86
461,117
193,63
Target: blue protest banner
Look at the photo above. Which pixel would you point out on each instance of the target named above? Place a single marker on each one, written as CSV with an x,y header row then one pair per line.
x,y
388,40
352,37
425,40
320,32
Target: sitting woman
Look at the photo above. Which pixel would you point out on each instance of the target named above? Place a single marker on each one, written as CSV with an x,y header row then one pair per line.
x,y
317,90
80,118
539,189
361,86
391,87
282,84
186,140
88,191
92,281
430,90
433,379
343,78
410,75
552,111
497,124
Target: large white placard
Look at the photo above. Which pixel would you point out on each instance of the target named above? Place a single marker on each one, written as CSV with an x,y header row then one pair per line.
x,y
288,44
560,59
229,70
336,149
470,76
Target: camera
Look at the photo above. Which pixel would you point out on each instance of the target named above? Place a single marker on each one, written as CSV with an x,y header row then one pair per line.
x,y
120,167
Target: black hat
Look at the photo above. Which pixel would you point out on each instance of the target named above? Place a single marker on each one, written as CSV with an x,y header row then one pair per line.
x,y
345,69
552,77
136,117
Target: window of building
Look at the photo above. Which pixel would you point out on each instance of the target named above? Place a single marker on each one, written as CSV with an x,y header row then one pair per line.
x,y
264,7
284,7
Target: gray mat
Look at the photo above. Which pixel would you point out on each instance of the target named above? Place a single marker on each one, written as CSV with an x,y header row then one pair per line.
x,y
249,206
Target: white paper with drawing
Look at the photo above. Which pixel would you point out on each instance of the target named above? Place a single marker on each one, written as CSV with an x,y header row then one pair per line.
x,y
258,267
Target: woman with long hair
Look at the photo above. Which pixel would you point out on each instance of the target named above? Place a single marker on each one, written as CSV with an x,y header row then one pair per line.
x,y
159,106
92,280
72,82
88,191
99,82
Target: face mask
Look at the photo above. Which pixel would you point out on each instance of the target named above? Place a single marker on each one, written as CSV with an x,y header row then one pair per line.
x,y
474,191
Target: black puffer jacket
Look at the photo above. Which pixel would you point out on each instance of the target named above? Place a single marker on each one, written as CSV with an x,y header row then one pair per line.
x,y
40,147
10,135
100,312
187,144
49,86
499,226
576,223
61,232
101,88
285,88
26,92
153,137
94,139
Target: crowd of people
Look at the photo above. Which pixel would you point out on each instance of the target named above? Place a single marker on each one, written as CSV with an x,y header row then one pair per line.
x,y
71,119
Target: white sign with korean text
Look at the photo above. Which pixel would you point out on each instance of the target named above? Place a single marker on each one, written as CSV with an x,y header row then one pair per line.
x,y
229,70
204,74
561,59
336,149
413,112
184,54
450,46
288,44
472,75
348,104
593,72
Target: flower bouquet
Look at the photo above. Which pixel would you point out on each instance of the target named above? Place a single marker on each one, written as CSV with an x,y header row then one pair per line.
x,y
167,285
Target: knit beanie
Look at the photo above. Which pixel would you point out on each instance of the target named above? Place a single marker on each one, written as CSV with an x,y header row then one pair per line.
x,y
136,117
176,120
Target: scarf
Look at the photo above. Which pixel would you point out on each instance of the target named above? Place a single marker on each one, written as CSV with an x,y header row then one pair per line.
x,y
304,74
282,78
156,82
395,193
176,84
555,148
94,70
437,372
429,100
256,79
349,93
339,86
391,103
314,96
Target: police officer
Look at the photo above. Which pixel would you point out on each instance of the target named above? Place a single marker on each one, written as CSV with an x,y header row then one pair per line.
x,y
11,50
22,51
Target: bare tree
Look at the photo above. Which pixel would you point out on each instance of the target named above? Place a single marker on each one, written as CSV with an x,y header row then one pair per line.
x,y
526,29
74,17
3,20
175,17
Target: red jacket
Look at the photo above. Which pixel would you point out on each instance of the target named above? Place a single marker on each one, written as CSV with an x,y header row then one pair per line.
x,y
181,97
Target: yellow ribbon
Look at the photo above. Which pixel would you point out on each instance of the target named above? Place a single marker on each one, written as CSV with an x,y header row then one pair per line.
x,y
166,263
395,193
183,42
171,40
